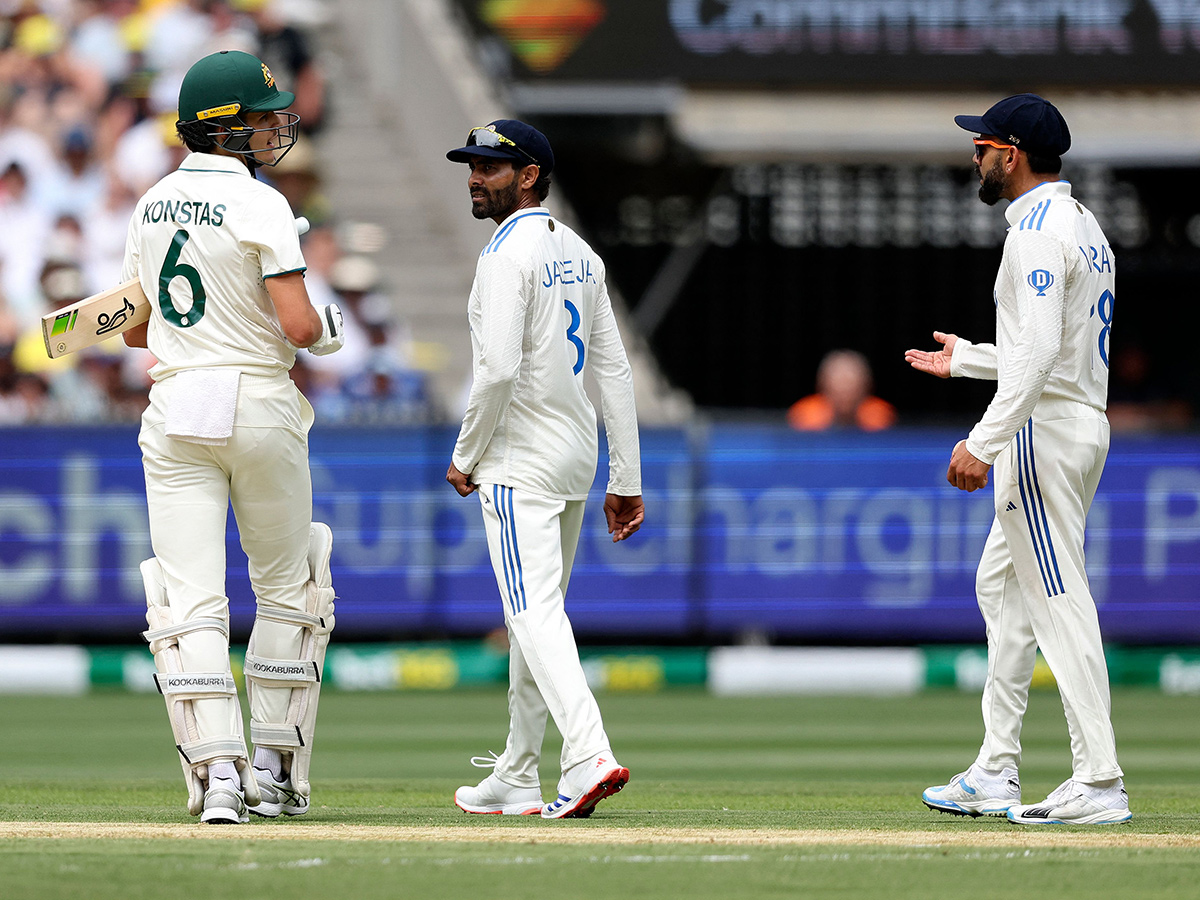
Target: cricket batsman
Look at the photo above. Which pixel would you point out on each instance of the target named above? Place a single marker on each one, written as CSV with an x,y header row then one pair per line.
x,y
217,253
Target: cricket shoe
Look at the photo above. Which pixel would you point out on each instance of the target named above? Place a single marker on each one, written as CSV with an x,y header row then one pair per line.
x,y
975,793
278,797
495,797
584,785
1076,803
224,803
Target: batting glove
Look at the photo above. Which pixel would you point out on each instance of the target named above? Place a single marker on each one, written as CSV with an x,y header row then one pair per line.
x,y
333,337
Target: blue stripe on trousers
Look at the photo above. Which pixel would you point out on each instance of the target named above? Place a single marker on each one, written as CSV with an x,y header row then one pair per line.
x,y
1026,499
1042,506
521,602
508,579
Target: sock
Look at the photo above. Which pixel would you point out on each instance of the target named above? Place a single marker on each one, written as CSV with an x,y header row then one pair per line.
x,y
225,770
271,760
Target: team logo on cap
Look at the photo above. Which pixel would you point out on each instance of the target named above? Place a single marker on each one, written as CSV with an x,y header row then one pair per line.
x,y
268,78
1040,280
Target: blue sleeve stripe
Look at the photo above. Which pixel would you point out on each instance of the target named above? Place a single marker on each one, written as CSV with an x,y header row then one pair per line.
x,y
288,272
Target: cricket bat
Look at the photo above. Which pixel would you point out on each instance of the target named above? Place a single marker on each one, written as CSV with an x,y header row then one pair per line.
x,y
100,316
94,319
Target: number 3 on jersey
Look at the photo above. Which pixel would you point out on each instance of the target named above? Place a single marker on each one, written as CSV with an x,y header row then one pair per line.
x,y
573,337
171,269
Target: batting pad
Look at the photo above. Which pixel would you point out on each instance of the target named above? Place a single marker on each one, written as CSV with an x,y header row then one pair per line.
x,y
294,736
180,688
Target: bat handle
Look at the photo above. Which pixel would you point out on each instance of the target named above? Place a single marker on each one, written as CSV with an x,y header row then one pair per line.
x,y
302,225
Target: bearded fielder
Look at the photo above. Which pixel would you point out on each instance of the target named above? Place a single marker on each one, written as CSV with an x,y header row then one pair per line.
x,y
539,311
217,253
1046,434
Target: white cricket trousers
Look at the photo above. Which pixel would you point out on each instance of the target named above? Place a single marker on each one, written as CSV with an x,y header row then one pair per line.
x,y
1033,590
263,470
532,541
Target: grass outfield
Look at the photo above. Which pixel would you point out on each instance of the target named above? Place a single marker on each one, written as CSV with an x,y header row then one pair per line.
x,y
728,798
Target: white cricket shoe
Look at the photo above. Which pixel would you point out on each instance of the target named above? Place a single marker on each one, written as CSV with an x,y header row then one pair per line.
x,y
1076,803
586,784
278,797
224,803
496,797
975,793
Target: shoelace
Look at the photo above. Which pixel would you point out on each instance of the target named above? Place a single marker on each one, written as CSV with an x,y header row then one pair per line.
x,y
1063,792
485,762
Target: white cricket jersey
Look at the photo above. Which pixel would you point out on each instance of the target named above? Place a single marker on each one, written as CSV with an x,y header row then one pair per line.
x,y
1054,304
539,312
202,241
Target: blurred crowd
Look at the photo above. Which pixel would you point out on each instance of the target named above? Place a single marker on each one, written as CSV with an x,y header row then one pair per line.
x,y
88,92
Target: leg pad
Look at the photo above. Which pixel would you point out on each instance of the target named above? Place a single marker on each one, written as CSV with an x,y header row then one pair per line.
x,y
180,689
294,737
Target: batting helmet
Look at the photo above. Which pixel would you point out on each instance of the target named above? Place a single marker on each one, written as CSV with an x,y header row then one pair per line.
x,y
218,89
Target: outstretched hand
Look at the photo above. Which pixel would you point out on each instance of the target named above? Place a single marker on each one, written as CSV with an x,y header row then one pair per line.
x,y
624,514
934,362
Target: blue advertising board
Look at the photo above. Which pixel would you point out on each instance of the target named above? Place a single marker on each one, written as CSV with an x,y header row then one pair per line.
x,y
751,530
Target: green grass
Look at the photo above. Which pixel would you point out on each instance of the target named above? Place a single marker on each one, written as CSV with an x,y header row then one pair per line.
x,y
697,762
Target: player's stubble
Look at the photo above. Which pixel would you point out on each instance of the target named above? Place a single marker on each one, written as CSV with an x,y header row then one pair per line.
x,y
992,182
495,203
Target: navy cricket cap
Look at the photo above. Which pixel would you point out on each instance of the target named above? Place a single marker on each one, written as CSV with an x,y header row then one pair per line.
x,y
507,139
1027,121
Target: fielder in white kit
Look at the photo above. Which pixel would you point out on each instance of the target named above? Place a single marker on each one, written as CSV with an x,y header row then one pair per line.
x,y
1047,434
539,312
218,254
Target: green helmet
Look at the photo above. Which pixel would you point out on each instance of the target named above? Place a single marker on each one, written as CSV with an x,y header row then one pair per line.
x,y
216,91
229,82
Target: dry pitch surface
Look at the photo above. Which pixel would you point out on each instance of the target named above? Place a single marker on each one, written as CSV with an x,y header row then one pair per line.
x,y
575,834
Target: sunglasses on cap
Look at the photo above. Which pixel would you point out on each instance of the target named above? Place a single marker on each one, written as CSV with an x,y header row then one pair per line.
x,y
981,145
487,136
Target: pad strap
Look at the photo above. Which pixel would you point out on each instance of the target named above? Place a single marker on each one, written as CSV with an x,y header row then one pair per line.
x,y
266,734
174,631
196,684
291,617
196,752
281,672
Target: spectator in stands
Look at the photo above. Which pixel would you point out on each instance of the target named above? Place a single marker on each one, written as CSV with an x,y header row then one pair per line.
x,y
297,178
79,185
843,398
24,227
286,51
23,398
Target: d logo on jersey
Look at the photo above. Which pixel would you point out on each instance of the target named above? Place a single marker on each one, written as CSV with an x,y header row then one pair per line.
x,y
1039,280
268,78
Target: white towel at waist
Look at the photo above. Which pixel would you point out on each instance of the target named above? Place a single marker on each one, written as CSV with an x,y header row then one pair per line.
x,y
203,405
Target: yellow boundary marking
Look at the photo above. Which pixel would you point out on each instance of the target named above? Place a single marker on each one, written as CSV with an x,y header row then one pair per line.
x,y
571,833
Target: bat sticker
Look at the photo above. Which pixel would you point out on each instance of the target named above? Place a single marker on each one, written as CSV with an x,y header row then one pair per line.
x,y
64,323
108,322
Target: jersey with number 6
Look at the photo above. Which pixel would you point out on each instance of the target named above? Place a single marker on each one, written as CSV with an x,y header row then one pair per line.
x,y
1055,293
539,312
202,242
